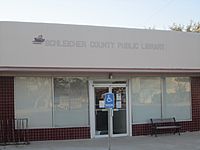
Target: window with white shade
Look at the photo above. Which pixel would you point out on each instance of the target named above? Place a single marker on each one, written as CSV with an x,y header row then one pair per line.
x,y
160,97
52,102
33,100
70,102
177,98
146,95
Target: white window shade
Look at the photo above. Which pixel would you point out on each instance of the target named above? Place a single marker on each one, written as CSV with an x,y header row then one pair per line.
x,y
177,98
33,100
146,99
70,102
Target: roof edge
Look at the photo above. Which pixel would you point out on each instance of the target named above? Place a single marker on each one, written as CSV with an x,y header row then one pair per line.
x,y
120,70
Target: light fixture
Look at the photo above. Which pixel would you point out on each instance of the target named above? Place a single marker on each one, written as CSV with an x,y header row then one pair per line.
x,y
110,76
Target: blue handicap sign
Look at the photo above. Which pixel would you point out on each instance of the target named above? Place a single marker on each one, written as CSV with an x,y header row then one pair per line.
x,y
109,100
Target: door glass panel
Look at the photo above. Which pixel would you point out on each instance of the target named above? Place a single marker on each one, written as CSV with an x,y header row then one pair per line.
x,y
119,112
101,114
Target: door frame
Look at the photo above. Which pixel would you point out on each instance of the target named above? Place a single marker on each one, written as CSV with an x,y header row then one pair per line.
x,y
92,108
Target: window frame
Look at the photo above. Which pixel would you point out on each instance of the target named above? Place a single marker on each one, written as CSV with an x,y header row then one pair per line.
x,y
190,98
53,98
162,78
52,122
132,98
38,127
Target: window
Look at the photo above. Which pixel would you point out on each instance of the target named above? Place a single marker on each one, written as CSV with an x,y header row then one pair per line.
x,y
146,95
70,102
61,103
177,98
33,100
155,97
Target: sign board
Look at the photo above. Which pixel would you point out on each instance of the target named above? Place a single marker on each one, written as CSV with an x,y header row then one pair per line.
x,y
109,100
118,104
118,96
101,104
26,44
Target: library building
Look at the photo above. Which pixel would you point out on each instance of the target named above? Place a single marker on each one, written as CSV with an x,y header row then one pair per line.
x,y
54,77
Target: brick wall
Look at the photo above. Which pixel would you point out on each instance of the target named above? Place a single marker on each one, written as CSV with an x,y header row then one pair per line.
x,y
6,108
194,125
59,133
7,112
6,97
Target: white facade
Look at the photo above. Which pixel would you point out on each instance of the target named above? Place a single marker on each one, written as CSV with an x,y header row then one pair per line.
x,y
89,47
61,72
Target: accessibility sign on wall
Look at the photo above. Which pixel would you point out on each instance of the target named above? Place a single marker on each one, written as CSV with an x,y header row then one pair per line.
x,y
109,100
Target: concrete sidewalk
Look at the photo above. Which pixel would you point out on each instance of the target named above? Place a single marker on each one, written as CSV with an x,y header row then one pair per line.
x,y
186,141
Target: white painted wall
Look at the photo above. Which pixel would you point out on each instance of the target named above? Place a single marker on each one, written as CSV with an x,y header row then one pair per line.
x,y
177,50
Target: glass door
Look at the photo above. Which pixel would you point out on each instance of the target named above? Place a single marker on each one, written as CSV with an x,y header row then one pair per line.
x,y
119,112
119,119
101,114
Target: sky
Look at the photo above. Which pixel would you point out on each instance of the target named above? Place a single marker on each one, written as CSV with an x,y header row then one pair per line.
x,y
157,14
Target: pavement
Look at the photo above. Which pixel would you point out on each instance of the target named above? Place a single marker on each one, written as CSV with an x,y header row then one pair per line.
x,y
186,141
